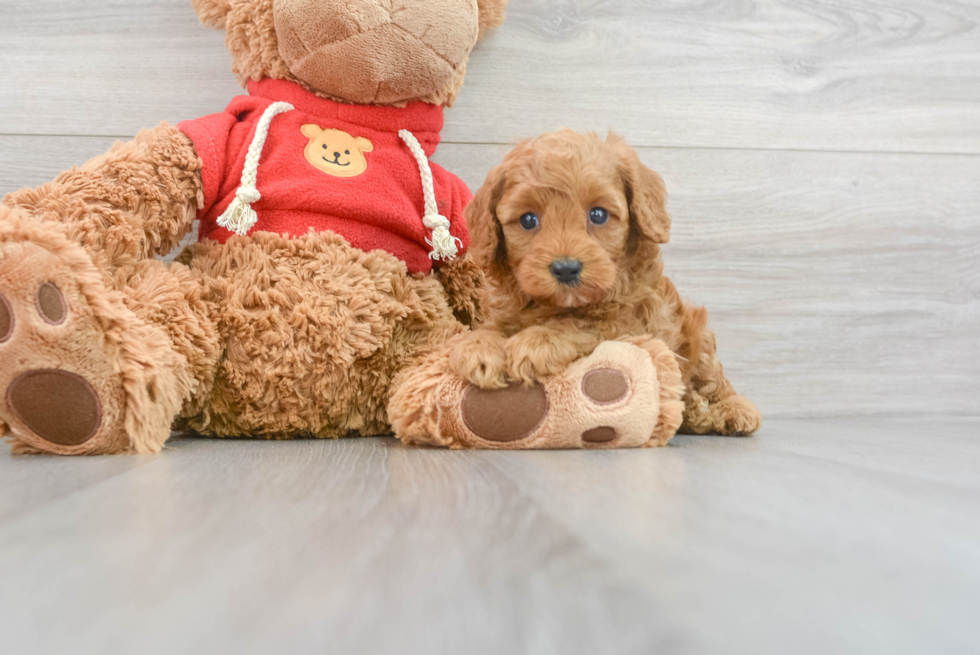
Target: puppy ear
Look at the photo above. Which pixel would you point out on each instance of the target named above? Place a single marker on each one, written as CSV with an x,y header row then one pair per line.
x,y
487,246
491,14
646,194
212,13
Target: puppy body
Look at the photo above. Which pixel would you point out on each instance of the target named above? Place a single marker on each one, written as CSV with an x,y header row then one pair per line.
x,y
568,231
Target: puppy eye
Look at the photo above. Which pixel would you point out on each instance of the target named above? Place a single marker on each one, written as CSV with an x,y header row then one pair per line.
x,y
529,221
598,216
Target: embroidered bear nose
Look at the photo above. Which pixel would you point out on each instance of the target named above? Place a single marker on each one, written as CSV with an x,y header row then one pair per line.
x,y
336,155
567,271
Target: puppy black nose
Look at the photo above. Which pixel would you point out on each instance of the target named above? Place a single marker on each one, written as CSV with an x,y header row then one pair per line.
x,y
566,271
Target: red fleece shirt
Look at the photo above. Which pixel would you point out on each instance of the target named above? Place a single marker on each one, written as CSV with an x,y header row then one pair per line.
x,y
304,184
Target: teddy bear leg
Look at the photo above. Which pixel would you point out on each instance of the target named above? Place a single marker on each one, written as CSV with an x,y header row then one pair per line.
x,y
80,371
621,396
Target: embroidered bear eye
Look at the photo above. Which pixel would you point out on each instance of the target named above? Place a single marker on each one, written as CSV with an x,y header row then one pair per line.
x,y
598,216
347,152
324,146
529,221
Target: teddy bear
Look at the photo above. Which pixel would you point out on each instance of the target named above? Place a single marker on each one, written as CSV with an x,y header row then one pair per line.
x,y
330,252
331,259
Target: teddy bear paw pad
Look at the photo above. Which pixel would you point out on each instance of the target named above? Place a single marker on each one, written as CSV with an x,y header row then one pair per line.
x,y
58,406
605,386
600,435
59,392
504,415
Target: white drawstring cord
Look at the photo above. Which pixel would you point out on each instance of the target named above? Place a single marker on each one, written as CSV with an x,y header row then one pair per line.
x,y
443,243
240,217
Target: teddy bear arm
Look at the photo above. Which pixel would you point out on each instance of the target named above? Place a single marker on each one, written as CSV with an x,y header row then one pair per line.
x,y
132,203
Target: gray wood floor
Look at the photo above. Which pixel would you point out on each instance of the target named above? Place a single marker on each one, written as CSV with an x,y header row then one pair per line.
x,y
822,536
823,159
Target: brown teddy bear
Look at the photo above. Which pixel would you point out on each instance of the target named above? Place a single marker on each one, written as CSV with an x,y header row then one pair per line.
x,y
329,270
330,250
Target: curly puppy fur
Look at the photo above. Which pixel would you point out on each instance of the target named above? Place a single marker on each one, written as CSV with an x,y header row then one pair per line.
x,y
535,325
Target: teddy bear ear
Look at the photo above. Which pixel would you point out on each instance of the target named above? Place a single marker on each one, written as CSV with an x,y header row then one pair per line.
x,y
491,14
646,193
213,13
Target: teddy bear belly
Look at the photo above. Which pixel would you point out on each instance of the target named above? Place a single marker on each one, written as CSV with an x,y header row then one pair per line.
x,y
313,332
365,234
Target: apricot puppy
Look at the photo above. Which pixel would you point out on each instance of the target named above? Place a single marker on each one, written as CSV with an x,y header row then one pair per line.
x,y
568,232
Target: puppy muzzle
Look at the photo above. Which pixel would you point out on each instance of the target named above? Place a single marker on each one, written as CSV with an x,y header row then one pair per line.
x,y
568,272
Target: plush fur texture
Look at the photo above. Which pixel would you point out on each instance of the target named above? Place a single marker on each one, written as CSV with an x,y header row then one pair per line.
x,y
264,336
390,51
315,353
211,338
535,326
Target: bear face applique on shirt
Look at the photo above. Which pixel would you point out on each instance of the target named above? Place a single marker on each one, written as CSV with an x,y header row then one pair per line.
x,y
336,152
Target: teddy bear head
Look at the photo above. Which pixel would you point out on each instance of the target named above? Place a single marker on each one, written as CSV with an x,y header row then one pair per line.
x,y
382,52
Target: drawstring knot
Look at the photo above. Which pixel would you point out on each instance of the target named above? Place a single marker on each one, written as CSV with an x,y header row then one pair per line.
x,y
248,196
443,243
240,217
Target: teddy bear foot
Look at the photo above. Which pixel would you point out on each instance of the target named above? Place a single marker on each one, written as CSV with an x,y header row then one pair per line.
x,y
621,396
63,371
58,392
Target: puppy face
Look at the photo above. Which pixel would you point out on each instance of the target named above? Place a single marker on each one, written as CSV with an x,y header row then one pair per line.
x,y
563,215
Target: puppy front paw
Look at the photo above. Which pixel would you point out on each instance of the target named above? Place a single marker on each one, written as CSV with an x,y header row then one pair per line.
x,y
539,352
479,359
529,366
